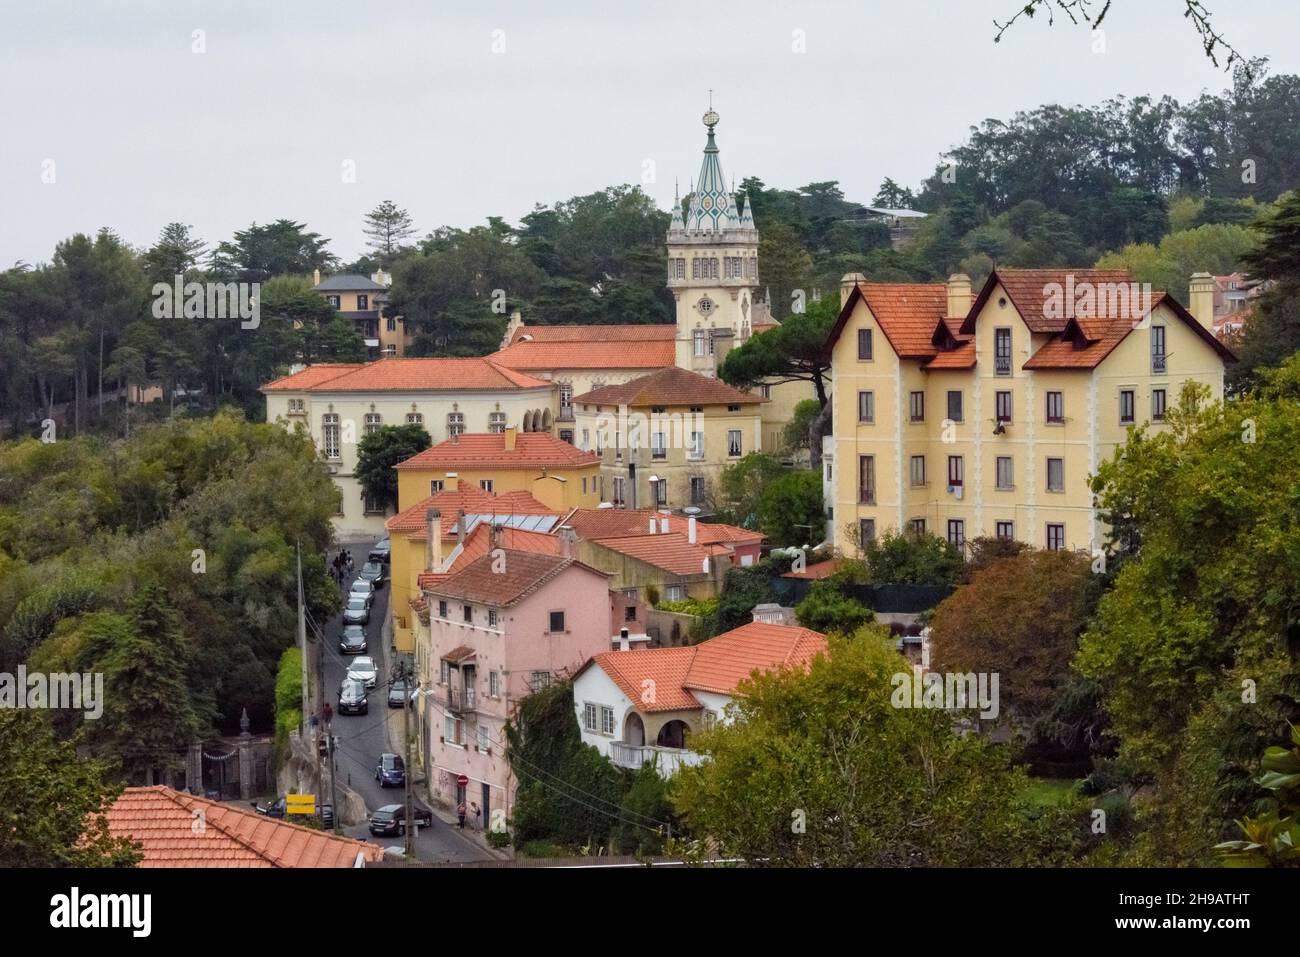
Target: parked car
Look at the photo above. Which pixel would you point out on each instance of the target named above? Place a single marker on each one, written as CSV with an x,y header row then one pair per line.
x,y
363,589
397,693
381,552
391,770
353,640
357,611
362,669
391,818
374,572
352,697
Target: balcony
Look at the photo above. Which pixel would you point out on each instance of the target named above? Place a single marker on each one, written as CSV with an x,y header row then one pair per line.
x,y
460,700
1158,365
866,496
1002,365
665,760
566,414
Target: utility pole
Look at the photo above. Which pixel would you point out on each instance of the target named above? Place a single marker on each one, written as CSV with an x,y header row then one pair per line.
x,y
411,826
334,784
302,643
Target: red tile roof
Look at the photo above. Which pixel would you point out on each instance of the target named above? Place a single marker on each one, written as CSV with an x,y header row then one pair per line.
x,y
907,313
408,375
590,347
593,523
476,450
718,665
163,822
598,332
816,571
465,497
1030,291
478,544
961,357
525,573
671,552
671,386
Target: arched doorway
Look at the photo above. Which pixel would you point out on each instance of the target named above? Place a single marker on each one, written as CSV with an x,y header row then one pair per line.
x,y
673,734
634,730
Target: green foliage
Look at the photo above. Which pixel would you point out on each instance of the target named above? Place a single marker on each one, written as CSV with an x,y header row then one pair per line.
x,y
820,769
1218,249
276,249
790,510
288,697
377,454
701,607
827,609
908,558
741,486
52,814
795,434
742,589
1272,836
794,351
646,814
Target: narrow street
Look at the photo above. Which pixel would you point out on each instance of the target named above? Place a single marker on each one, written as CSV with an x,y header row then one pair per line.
x,y
362,738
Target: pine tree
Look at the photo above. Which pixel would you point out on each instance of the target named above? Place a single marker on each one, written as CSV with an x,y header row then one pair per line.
x,y
388,226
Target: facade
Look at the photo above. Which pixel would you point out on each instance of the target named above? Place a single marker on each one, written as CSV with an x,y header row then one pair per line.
x,y
363,300
987,418
501,628
551,470
338,403
639,706
663,438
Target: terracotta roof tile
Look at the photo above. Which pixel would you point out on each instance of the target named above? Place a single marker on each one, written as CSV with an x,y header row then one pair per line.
x,y
1030,292
478,544
670,386
907,313
590,347
597,332
533,450
524,573
162,820
671,552
816,571
312,376
410,375
666,667
962,357
465,497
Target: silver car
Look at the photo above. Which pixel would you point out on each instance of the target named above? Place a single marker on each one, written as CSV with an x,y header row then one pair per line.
x,y
363,589
357,611
362,668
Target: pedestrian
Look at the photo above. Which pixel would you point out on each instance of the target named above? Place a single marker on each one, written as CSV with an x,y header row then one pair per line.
x,y
460,814
477,814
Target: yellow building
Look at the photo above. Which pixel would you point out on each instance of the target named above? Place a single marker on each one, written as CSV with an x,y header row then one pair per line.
x,y
362,300
551,470
987,418
664,438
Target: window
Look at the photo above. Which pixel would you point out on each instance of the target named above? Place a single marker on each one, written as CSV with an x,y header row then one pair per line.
x,y
333,301
866,407
566,435
606,719
485,484
918,526
442,609
390,350
954,404
918,470
496,421
414,418
494,683
660,491
1157,405
373,506
864,344
658,445
373,421
1126,406
330,435
916,407
297,405
444,671
557,621
363,302
1006,478
733,443
1056,475
765,391
1055,407
1005,531
1002,351
392,325
696,450
566,398
867,479
620,487
484,737
1002,401
589,716
1158,349
629,613
697,491
733,408
956,470
455,423
866,530
537,680
492,617
468,612
709,720
956,531
675,593
1055,537
435,486
697,340
586,439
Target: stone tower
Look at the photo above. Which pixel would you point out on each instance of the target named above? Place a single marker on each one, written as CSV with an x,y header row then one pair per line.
x,y
712,267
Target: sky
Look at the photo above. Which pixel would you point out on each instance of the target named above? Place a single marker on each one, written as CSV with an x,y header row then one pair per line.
x,y
136,113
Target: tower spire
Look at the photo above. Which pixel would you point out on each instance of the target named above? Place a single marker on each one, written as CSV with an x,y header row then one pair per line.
x,y
712,207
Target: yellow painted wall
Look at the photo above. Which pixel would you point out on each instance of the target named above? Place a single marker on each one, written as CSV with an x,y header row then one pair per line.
x,y
579,488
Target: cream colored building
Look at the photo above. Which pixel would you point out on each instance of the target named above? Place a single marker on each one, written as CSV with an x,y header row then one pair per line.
x,y
988,417
339,403
363,301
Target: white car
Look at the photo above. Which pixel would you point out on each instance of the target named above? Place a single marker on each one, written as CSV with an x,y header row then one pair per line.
x,y
362,668
363,589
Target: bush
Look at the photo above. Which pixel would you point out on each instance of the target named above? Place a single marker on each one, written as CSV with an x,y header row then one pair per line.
x,y
646,802
827,609
701,607
909,558
498,839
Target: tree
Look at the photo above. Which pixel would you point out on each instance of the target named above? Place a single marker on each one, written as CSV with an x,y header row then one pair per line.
x,y
1273,331
260,252
175,253
911,558
377,454
387,228
1021,618
53,811
646,814
827,609
795,351
818,768
790,510
794,436
892,196
741,486
785,266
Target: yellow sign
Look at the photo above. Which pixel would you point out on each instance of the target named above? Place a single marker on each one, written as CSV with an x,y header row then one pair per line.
x,y
300,803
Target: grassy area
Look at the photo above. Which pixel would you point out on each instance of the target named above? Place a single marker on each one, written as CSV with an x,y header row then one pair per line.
x,y
1049,791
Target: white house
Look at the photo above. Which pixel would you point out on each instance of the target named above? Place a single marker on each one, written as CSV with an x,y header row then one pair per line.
x,y
642,705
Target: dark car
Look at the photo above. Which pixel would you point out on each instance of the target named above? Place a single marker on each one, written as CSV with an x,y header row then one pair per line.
x,y
353,640
391,770
352,697
357,611
373,572
391,818
381,552
397,693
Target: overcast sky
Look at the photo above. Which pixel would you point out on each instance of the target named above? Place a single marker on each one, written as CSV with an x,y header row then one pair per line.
x,y
461,110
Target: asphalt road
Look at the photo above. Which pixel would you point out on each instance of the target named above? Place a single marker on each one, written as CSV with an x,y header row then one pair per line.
x,y
362,738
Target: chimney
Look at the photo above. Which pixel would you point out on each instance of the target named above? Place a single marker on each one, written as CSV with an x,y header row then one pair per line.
x,y
663,525
959,297
849,280
461,523
1200,298
315,277
510,434
652,524
455,438
567,537
623,643
433,547
690,529
494,535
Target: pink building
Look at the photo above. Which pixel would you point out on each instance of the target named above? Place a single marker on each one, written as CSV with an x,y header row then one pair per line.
x,y
502,627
